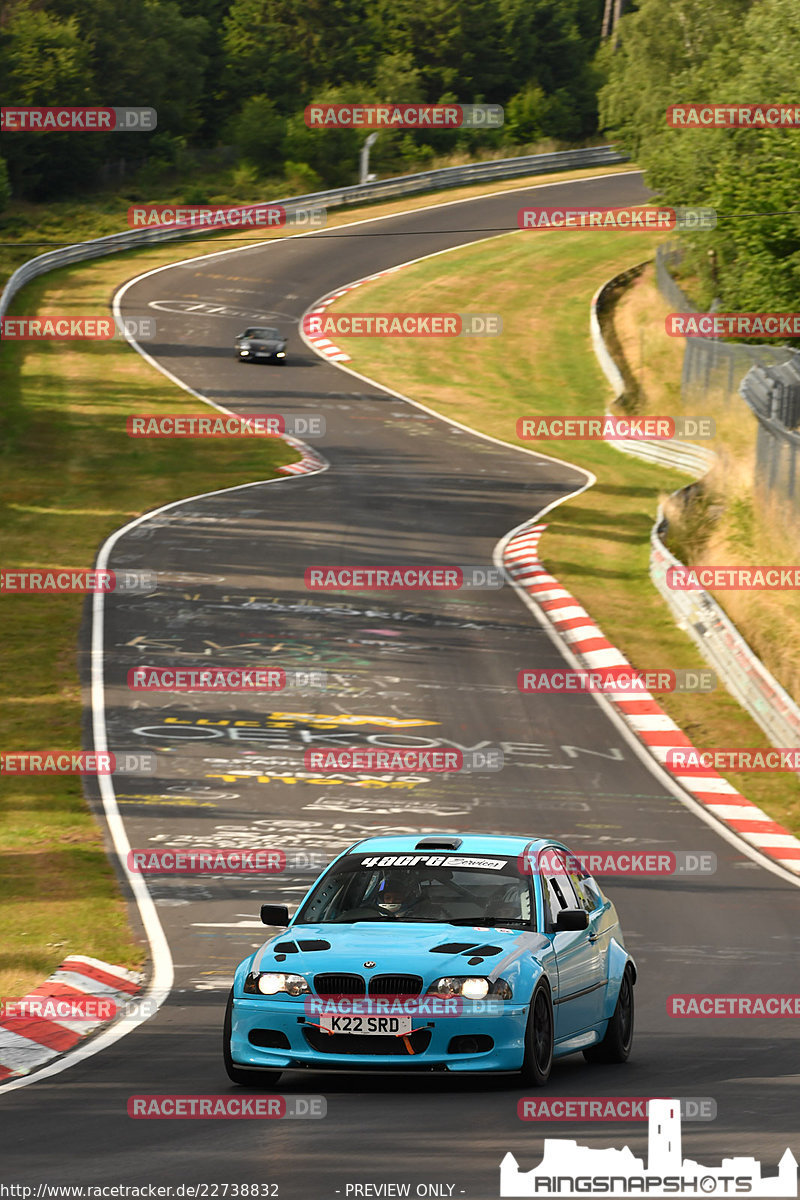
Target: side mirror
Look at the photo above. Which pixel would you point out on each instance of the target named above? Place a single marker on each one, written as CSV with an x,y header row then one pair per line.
x,y
275,914
571,920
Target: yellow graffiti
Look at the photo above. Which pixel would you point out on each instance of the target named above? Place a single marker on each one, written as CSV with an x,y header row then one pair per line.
x,y
326,780
282,720
163,800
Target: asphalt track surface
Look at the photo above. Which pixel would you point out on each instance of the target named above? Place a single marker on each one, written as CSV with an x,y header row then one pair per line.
x,y
406,488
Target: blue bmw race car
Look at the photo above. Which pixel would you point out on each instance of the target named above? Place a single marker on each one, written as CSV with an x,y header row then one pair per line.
x,y
442,953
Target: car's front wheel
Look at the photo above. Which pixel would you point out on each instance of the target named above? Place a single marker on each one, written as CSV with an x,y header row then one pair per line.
x,y
539,1035
618,1040
240,1075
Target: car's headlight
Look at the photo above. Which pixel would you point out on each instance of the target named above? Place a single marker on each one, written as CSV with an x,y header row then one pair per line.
x,y
268,983
281,354
471,987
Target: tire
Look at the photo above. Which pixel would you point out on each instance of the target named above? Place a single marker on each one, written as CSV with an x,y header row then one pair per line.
x,y
240,1075
539,1037
616,1045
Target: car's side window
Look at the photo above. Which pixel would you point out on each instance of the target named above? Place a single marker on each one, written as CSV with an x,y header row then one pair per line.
x,y
559,891
585,887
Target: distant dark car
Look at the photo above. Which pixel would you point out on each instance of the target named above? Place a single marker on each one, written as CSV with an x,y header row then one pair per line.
x,y
261,342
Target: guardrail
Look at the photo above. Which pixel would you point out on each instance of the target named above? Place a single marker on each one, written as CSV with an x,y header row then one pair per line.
x,y
403,185
722,645
773,396
698,613
686,457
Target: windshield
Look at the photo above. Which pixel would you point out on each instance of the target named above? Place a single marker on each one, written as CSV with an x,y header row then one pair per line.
x,y
488,891
261,333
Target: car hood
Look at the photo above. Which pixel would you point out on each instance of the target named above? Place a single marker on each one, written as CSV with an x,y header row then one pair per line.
x,y
404,948
260,343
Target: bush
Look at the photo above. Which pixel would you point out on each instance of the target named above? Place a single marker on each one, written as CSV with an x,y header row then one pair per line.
x,y
5,186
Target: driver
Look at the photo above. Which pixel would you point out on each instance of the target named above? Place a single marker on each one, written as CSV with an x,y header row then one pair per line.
x,y
397,895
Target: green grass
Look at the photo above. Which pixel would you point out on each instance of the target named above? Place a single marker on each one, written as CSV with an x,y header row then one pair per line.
x,y
543,363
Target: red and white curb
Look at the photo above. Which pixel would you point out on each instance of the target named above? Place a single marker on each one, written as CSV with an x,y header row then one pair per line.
x,y
308,464
324,345
643,715
28,1042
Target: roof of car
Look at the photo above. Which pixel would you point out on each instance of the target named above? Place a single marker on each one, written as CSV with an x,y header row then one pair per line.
x,y
470,843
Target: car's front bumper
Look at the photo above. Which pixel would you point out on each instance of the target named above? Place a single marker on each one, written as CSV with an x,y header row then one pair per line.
x,y
431,1040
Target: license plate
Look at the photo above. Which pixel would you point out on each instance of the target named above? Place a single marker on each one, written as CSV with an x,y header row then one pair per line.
x,y
369,1026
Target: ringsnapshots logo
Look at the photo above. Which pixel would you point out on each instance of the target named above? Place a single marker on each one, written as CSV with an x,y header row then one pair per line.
x,y
50,119
613,429
77,762
224,679
620,681
627,861
402,324
733,579
733,116
355,759
569,1169
225,1107
639,219
404,116
54,328
242,216
609,1108
53,581
402,578
225,425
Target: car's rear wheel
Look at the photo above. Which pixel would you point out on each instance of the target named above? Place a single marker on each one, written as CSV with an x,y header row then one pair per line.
x,y
539,1037
618,1040
240,1075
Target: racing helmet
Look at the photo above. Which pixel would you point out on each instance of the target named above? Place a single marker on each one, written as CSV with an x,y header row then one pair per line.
x,y
397,892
